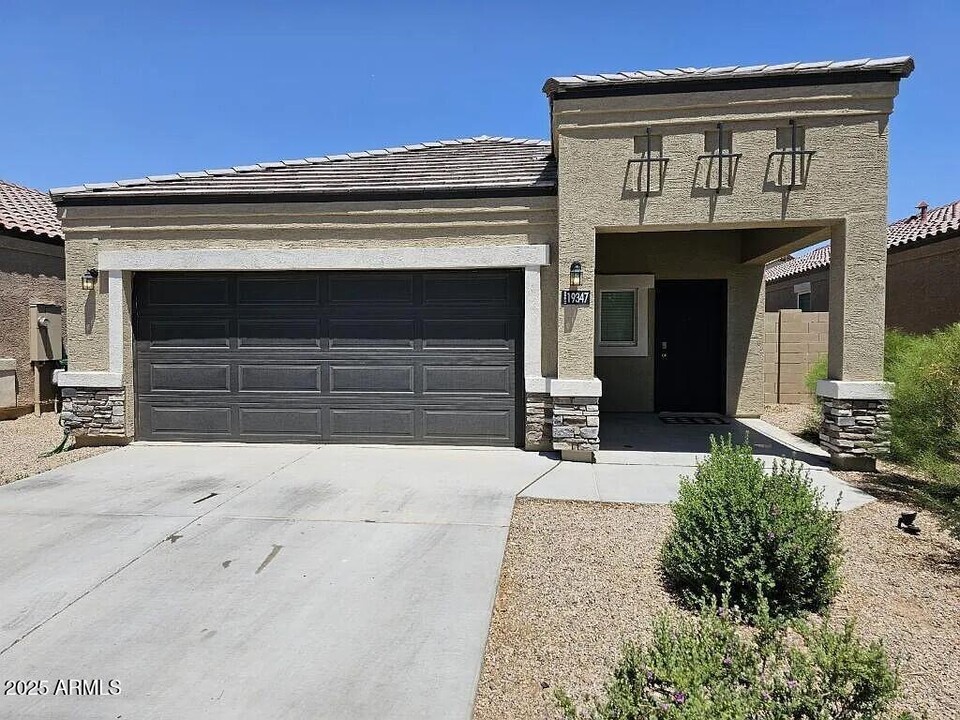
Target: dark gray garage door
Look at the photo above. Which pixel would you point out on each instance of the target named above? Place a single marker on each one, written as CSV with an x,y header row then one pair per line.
x,y
393,357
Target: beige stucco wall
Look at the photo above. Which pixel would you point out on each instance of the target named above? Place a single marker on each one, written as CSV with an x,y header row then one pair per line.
x,y
446,223
846,190
628,381
30,271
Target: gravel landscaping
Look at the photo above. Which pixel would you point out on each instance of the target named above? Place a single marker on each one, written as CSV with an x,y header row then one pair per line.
x,y
26,437
795,419
579,578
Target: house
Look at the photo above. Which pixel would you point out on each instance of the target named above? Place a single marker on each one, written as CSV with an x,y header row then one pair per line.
x,y
31,279
923,263
489,290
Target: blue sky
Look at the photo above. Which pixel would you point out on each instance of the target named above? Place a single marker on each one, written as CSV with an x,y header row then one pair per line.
x,y
96,91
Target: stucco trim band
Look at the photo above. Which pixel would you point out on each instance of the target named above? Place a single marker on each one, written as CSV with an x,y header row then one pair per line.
x,y
530,257
855,390
66,378
564,387
389,258
7,364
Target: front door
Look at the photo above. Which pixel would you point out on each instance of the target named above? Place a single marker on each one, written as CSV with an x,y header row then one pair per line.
x,y
690,332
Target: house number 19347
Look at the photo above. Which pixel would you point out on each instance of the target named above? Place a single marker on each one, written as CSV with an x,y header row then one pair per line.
x,y
574,297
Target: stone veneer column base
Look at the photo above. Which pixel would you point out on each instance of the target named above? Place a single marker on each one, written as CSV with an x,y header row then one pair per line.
x,y
539,419
855,432
94,414
576,427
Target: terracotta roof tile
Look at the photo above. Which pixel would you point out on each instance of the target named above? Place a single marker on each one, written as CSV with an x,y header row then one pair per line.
x,y
941,221
480,163
28,211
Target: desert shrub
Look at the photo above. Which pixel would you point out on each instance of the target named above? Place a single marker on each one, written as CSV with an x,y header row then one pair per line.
x,y
925,414
708,667
816,373
752,537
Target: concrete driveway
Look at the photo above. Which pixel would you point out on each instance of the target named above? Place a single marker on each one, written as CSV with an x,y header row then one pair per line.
x,y
255,581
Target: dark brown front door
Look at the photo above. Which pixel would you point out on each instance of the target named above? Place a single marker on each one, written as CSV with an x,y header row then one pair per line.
x,y
690,331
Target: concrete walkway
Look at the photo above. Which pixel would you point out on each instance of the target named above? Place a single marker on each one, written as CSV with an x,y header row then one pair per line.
x,y
642,460
256,581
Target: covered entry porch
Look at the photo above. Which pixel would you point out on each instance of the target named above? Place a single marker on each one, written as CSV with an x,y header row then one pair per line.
x,y
678,318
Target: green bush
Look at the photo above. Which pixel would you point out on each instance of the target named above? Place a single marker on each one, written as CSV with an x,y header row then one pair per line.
x,y
708,668
925,414
816,373
752,537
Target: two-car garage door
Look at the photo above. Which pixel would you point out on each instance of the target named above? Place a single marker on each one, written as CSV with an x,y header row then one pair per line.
x,y
386,357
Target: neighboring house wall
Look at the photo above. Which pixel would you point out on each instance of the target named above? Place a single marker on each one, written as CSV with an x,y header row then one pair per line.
x,y
30,271
428,224
793,342
923,286
921,293
781,294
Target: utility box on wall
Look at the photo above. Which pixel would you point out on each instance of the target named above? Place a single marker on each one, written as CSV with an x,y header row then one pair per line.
x,y
46,332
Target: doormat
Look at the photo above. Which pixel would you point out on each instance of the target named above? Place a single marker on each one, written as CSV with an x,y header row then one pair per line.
x,y
692,420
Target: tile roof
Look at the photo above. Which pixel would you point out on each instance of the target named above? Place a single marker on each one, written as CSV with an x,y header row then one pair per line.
x,y
796,266
943,220
28,211
469,164
897,66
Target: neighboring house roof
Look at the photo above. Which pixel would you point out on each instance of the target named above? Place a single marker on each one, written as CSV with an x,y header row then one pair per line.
x,y
478,165
793,73
941,221
805,263
23,210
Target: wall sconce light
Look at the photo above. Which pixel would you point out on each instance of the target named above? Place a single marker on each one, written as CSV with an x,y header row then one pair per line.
x,y
88,279
576,275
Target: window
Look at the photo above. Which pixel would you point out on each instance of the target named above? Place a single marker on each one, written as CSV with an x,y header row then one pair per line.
x,y
802,291
621,314
618,317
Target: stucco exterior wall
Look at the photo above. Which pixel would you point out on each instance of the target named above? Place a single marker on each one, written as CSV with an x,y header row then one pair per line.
x,y
30,271
628,382
923,292
845,124
446,223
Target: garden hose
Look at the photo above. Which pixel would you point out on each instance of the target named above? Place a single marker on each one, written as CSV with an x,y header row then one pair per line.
x,y
58,449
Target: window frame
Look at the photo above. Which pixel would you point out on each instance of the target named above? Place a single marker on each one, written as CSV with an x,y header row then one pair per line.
x,y
801,289
640,285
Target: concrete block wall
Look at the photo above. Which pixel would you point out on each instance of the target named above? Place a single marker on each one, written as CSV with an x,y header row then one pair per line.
x,y
793,342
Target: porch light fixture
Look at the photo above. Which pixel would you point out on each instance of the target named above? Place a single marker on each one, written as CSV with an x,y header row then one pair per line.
x,y
576,275
88,279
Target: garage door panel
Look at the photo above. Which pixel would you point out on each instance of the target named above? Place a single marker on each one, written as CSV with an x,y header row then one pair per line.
x,y
472,334
281,289
371,379
188,334
452,289
170,290
353,333
467,425
305,422
368,288
372,423
468,379
177,420
394,357
278,378
189,377
278,333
